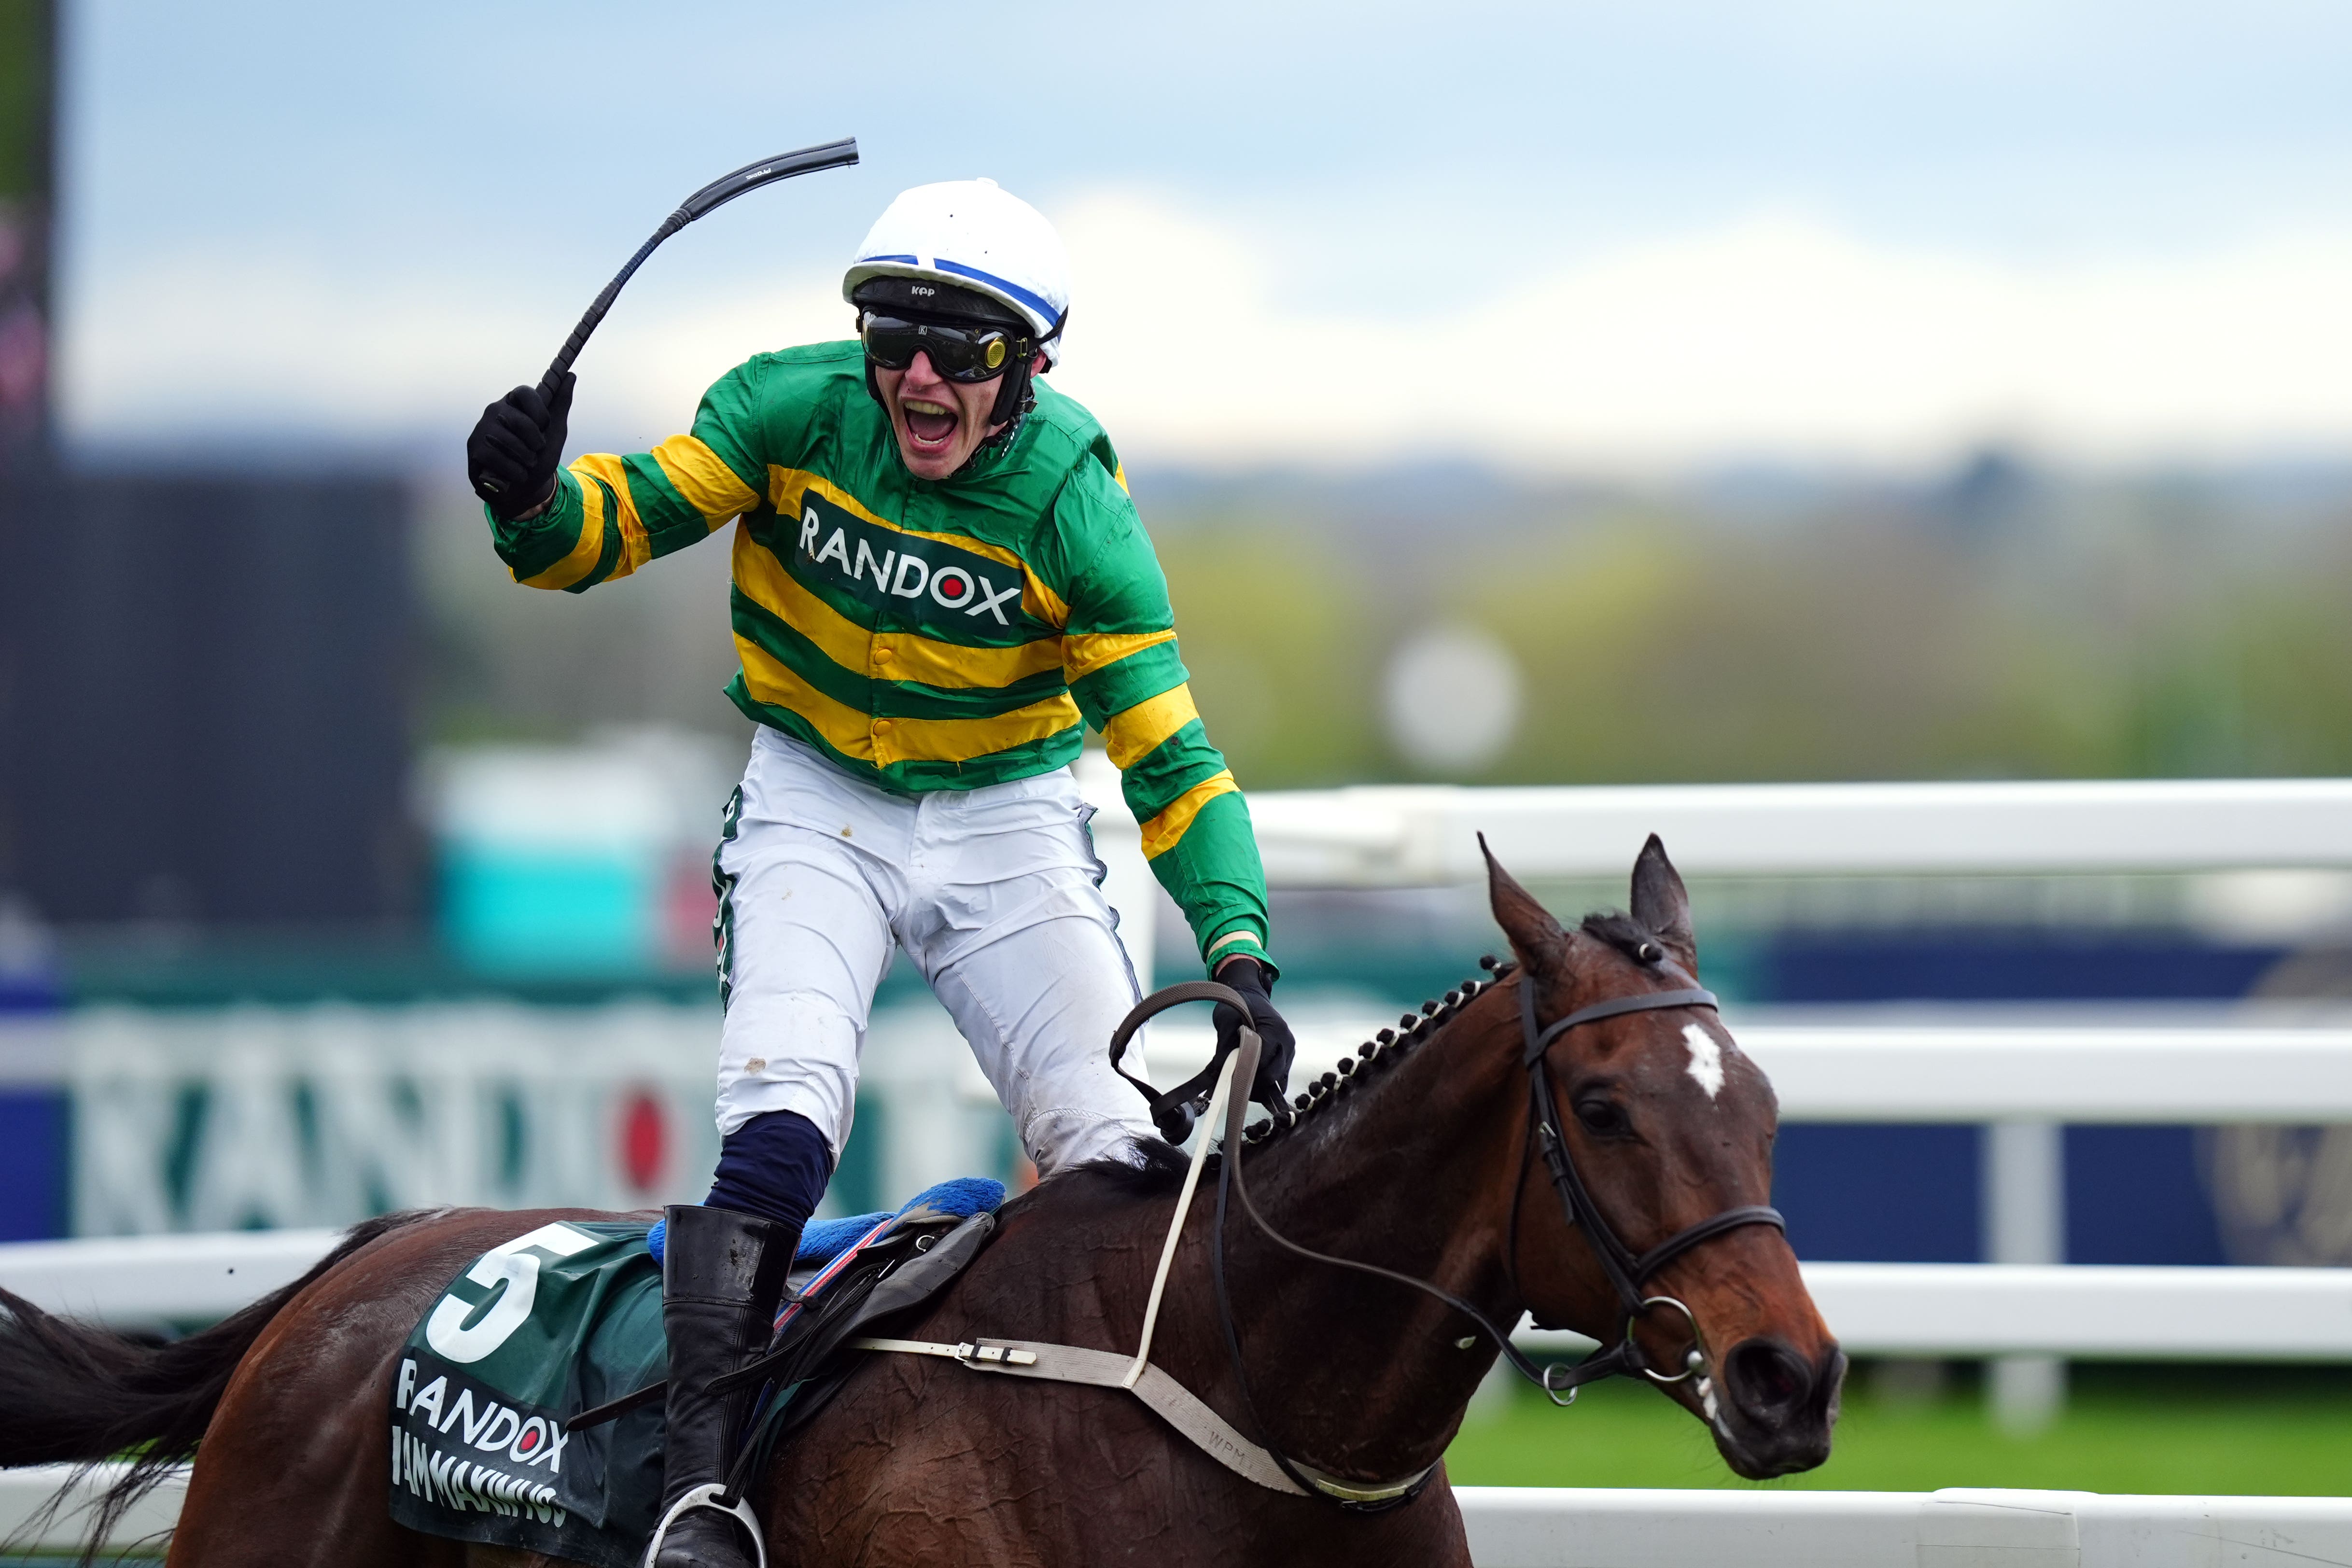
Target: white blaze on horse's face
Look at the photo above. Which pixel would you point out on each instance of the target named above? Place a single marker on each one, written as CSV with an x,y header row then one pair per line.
x,y
1706,1059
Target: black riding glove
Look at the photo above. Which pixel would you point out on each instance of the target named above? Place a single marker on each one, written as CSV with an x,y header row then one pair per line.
x,y
1254,981
513,454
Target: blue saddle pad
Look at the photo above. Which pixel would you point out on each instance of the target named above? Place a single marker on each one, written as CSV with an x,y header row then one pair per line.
x,y
825,1239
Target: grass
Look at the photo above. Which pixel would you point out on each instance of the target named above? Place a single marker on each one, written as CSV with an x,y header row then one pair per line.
x,y
2279,1431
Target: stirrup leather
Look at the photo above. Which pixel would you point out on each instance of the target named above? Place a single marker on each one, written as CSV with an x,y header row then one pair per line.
x,y
706,1496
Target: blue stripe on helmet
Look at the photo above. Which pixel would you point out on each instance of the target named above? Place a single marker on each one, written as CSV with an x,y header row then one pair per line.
x,y
910,260
1035,302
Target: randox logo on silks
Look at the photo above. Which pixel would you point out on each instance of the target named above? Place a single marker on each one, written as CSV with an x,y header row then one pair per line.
x,y
535,1331
924,581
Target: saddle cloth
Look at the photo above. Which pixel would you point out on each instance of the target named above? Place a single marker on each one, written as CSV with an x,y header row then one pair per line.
x,y
568,1318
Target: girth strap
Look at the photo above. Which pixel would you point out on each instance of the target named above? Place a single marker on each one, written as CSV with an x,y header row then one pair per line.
x,y
1168,1399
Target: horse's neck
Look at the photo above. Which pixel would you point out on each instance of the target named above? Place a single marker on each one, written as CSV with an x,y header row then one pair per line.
x,y
1410,1168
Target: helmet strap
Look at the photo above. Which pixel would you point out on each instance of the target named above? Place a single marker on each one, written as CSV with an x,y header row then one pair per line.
x,y
1013,395
1007,429
1013,391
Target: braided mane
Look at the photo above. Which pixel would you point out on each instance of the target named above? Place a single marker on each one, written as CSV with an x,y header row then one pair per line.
x,y
1156,1164
1160,1164
1622,932
1381,1050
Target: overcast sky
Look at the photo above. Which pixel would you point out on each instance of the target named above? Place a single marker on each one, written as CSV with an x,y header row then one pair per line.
x,y
1553,237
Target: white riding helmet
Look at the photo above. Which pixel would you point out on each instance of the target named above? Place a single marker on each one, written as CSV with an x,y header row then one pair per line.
x,y
974,235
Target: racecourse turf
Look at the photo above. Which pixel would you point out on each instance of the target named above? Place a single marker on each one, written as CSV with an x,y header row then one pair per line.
x,y
2259,1430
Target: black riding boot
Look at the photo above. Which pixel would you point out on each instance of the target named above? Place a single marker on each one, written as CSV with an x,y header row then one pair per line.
x,y
722,1278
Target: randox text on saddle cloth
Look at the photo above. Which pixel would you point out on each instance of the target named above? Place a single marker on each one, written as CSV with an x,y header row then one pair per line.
x,y
556,1321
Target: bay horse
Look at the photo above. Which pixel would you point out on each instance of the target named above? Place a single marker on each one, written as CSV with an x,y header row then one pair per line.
x,y
1422,1161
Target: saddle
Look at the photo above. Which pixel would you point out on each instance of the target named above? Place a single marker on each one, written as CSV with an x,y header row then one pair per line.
x,y
527,1409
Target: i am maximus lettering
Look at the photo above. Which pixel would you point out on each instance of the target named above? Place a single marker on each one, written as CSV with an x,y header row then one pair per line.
x,y
494,1426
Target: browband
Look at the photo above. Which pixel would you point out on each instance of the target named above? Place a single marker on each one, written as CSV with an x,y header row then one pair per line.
x,y
1651,1002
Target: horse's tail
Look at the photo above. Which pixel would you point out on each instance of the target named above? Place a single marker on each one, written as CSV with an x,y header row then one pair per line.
x,y
71,1391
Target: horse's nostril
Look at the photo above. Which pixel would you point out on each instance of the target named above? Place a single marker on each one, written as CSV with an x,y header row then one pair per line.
x,y
1768,1377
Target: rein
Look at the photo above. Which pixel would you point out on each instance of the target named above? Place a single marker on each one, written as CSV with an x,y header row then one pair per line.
x,y
1627,1270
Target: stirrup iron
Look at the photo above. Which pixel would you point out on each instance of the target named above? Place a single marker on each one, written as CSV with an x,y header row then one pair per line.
x,y
709,1496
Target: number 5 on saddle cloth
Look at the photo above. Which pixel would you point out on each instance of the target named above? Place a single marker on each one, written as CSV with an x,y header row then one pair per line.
x,y
527,1410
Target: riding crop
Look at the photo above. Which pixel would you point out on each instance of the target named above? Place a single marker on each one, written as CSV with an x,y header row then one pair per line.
x,y
715,194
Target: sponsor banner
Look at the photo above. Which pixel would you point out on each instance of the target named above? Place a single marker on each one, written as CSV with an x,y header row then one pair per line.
x,y
267,1117
247,1118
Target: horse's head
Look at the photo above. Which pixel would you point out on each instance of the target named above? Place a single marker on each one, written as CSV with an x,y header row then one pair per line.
x,y
1668,1125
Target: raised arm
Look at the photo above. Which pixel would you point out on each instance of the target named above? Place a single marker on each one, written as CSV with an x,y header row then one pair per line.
x,y
608,515
1119,649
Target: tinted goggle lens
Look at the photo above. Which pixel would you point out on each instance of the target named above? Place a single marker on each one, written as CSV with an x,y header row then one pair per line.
x,y
959,353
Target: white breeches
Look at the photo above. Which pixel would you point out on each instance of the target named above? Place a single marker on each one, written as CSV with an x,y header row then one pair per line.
x,y
994,893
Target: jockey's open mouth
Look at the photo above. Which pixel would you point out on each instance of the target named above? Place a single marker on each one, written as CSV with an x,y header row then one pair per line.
x,y
931,427
939,419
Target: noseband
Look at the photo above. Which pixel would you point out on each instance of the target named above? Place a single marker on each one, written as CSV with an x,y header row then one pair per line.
x,y
1628,1271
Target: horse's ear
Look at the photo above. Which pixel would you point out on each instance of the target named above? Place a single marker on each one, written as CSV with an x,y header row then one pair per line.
x,y
1535,936
1662,903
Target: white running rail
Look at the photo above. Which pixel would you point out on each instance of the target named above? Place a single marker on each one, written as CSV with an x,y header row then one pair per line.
x,y
1546,1527
2079,1311
1875,1308
1398,836
29,1528
1543,1527
2196,1073
142,1279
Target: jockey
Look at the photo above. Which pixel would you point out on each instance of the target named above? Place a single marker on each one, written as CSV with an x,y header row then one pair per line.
x,y
939,583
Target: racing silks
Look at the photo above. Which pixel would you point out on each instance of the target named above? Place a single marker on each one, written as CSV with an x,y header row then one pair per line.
x,y
927,635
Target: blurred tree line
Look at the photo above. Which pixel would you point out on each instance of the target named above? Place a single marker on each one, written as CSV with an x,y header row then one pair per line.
x,y
2001,624
2041,630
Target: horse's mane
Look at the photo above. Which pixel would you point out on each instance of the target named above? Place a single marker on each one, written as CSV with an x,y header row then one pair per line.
x,y
1626,934
1157,1166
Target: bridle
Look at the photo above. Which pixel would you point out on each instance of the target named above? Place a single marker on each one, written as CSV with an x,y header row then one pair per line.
x,y
1627,1271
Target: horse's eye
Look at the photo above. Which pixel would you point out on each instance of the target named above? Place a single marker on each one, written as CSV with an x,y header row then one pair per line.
x,y
1601,1118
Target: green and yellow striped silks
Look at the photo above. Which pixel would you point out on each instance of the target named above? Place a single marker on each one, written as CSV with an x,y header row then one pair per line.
x,y
925,636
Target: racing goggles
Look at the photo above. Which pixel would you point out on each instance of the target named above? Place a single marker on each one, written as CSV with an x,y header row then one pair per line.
x,y
966,354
